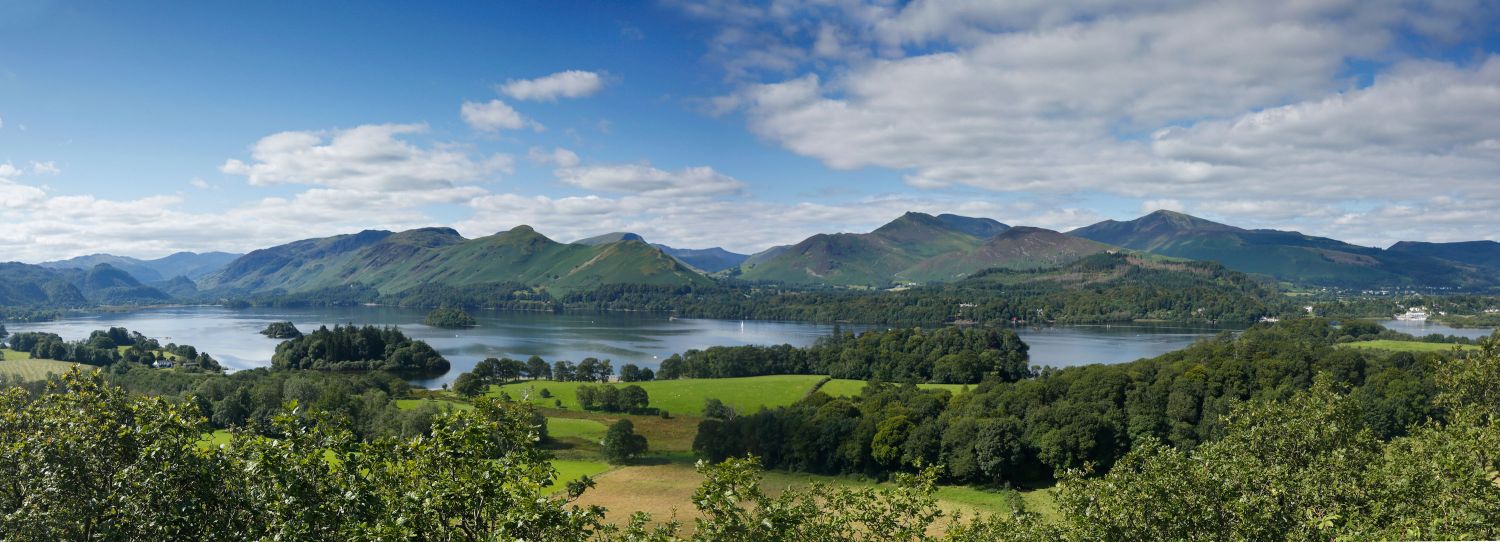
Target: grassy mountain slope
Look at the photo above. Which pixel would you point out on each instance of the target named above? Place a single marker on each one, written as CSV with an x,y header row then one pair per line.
x,y
707,260
395,262
25,285
1019,247
1289,256
983,228
1475,253
874,258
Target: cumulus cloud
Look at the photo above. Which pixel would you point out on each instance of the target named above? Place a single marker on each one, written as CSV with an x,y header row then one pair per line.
x,y
493,116
558,156
45,168
642,178
565,84
368,157
1209,103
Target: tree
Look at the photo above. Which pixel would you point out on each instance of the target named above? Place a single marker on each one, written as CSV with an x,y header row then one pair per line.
x,y
716,409
630,373
562,371
621,444
469,385
634,399
537,368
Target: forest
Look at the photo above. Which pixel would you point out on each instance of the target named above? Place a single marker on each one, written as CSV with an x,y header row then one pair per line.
x,y
92,461
949,355
1027,430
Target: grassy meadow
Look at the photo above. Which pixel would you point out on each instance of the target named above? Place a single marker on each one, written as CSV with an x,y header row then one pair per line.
x,y
684,396
1406,346
20,364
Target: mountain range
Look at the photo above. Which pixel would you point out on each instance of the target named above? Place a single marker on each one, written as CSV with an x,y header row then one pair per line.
x,y
393,262
25,285
913,248
182,264
1293,257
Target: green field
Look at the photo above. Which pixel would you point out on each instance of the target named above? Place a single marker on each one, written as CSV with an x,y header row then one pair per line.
x,y
561,428
571,469
684,396
21,364
848,388
217,438
409,404
1406,346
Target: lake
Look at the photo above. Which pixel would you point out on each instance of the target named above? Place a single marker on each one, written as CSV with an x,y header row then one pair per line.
x,y
1422,327
233,336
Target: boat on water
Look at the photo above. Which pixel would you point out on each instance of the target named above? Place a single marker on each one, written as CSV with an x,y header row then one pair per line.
x,y
1414,314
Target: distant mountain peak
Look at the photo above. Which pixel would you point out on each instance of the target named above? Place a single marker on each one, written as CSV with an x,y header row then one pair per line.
x,y
612,237
978,227
1181,221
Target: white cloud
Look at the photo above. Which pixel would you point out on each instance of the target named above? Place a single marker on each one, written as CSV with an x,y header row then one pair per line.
x,y
558,156
495,115
367,157
566,84
641,178
1227,107
10,171
45,168
199,183
2,122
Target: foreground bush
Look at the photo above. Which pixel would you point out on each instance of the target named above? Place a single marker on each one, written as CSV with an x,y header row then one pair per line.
x,y
92,462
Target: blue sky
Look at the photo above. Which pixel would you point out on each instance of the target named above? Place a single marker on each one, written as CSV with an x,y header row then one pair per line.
x,y
148,127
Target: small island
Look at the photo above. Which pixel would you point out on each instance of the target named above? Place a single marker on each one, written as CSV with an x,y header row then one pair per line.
x,y
281,330
350,348
450,318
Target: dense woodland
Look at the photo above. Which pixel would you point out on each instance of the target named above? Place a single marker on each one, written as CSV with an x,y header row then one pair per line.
x,y
1027,430
281,330
452,318
351,348
945,355
92,461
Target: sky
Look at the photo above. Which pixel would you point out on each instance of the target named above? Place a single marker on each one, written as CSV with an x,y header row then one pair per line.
x,y
146,128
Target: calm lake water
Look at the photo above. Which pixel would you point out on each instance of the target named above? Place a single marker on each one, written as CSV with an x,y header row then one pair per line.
x,y
233,336
1422,327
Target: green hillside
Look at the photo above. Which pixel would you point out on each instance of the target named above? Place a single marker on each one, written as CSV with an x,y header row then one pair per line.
x,y
26,285
396,262
1288,256
870,259
1017,248
1476,253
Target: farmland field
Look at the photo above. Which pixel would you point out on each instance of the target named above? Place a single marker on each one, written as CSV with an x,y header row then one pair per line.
x,y
684,396
1406,346
21,364
850,388
666,491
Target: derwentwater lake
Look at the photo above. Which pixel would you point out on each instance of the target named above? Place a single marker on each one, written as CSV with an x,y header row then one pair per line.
x,y
233,337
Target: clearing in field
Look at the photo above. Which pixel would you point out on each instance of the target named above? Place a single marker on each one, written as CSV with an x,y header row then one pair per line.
x,y
666,492
20,364
839,387
1407,346
684,396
